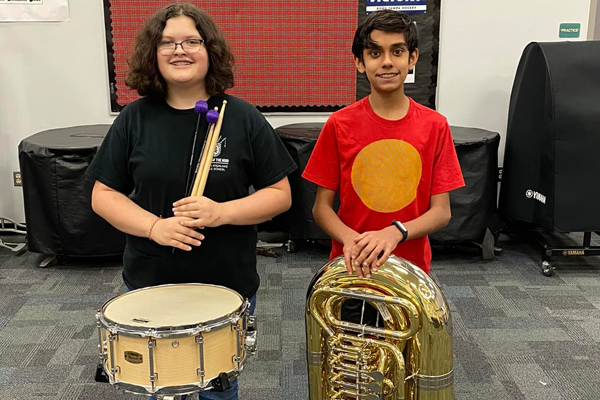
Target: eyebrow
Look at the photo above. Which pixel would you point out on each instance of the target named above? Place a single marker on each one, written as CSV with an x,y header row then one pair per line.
x,y
187,37
375,45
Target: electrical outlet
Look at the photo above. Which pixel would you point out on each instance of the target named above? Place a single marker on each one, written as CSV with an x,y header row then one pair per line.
x,y
17,178
500,171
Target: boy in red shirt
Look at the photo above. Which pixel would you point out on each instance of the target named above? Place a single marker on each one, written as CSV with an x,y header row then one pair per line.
x,y
391,159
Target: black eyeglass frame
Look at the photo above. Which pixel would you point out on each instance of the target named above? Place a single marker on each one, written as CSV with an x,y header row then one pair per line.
x,y
174,49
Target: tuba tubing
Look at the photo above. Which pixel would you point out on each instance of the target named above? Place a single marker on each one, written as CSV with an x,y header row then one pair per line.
x,y
409,358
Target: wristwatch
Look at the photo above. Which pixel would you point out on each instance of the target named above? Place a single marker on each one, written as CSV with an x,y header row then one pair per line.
x,y
402,229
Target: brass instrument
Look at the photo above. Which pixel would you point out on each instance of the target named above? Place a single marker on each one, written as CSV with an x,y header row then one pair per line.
x,y
409,358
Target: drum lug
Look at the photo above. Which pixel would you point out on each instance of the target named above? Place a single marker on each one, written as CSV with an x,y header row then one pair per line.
x,y
111,339
200,371
153,375
238,338
101,343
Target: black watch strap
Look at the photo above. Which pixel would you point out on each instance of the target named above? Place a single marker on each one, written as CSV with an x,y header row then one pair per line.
x,y
402,229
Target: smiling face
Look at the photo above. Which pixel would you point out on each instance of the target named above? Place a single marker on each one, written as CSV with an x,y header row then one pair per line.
x,y
386,61
181,68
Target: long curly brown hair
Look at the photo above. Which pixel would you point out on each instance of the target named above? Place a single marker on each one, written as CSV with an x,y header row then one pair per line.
x,y
144,75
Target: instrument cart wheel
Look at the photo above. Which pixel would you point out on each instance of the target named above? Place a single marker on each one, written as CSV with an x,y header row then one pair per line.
x,y
547,269
290,246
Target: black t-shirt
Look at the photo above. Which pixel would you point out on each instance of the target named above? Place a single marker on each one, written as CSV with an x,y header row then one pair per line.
x,y
146,155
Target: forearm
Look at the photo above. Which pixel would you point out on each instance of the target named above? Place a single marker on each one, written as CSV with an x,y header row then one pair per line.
x,y
260,206
122,213
329,221
432,221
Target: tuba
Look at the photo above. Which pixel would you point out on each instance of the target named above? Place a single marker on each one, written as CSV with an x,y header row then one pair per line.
x,y
410,357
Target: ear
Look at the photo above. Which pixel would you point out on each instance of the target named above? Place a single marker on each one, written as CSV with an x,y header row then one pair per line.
x,y
360,66
412,61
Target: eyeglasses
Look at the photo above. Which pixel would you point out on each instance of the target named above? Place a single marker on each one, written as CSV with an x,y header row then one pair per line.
x,y
190,46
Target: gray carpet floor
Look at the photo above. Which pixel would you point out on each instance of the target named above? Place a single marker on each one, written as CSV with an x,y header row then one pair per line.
x,y
517,334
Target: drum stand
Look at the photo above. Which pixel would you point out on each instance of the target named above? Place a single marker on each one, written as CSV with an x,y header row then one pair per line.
x,y
9,226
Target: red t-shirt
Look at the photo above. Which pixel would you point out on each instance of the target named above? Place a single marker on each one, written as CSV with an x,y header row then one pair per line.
x,y
385,170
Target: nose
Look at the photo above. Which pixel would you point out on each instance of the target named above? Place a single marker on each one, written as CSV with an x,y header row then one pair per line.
x,y
179,49
387,59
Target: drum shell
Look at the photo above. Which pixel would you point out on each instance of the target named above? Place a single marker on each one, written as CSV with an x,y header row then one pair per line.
x,y
173,366
176,354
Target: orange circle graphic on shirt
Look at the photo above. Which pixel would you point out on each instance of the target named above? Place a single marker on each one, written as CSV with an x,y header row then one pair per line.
x,y
386,174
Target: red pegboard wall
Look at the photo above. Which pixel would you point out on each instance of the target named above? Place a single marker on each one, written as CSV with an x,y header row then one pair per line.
x,y
288,54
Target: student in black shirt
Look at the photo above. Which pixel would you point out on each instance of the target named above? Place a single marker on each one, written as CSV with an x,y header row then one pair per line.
x,y
181,57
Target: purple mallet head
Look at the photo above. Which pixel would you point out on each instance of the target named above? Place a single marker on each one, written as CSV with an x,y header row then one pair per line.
x,y
201,107
212,116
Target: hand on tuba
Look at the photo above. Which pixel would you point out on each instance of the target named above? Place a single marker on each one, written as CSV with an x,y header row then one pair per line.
x,y
372,249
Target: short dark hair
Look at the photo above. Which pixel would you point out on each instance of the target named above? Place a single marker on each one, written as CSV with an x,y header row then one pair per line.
x,y
387,21
144,75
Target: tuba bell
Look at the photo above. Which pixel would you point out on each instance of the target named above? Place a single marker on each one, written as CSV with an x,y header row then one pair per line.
x,y
410,357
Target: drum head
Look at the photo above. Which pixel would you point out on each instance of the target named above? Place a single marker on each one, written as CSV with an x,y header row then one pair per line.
x,y
172,305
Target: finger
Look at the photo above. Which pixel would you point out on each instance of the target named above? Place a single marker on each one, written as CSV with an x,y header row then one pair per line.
x,y
183,201
371,260
366,270
383,258
196,223
358,248
356,268
360,237
187,239
348,261
366,267
179,245
189,214
364,253
186,207
190,233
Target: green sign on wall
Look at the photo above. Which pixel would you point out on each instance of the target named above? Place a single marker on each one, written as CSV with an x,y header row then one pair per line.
x,y
569,30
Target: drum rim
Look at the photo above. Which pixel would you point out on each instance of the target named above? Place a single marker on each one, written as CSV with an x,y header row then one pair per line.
x,y
170,331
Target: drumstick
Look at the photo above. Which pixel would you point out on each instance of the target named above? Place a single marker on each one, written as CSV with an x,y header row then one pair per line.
x,y
205,168
212,116
200,108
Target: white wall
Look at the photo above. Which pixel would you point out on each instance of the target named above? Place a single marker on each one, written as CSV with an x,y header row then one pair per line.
x,y
481,43
55,75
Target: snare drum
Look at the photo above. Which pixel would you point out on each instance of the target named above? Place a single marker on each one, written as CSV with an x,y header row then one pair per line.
x,y
174,339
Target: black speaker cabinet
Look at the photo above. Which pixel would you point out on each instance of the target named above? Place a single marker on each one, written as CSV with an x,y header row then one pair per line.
x,y
474,206
299,140
57,195
550,174
550,168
